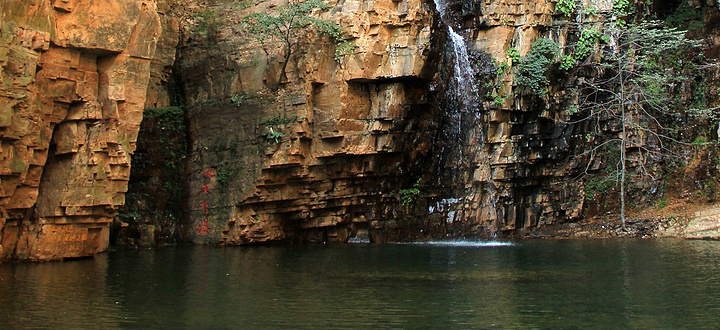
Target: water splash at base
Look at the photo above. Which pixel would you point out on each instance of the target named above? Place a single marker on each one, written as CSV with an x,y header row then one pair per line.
x,y
463,243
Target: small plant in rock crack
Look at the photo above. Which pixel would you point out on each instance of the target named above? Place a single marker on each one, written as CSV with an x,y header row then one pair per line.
x,y
273,135
409,196
514,54
503,68
238,99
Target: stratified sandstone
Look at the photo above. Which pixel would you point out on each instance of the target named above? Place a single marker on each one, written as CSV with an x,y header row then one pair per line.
x,y
367,145
74,80
351,128
366,127
331,152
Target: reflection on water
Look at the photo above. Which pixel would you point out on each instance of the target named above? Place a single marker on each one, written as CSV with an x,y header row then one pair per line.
x,y
529,284
464,243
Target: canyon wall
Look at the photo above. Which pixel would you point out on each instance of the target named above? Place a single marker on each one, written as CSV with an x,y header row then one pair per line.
x,y
323,157
357,133
376,145
74,78
373,144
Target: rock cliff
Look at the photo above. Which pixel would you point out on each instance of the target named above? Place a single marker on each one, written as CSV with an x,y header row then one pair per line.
x,y
417,131
323,157
75,75
336,151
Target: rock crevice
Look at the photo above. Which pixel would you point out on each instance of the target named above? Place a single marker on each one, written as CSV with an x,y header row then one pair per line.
x,y
74,82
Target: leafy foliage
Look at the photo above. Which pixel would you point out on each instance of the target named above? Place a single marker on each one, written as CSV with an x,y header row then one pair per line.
x,y
567,62
291,22
566,7
207,23
503,68
273,135
499,99
343,49
622,8
223,177
590,11
533,68
639,81
586,44
598,186
685,17
409,196
238,100
513,53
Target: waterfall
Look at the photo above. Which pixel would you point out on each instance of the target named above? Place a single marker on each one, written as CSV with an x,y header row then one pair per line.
x,y
464,74
461,93
464,121
464,82
463,112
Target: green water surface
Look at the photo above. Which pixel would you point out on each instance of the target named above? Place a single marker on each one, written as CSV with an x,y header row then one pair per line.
x,y
606,284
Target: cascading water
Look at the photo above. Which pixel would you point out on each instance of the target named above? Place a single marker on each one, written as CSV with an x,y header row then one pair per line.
x,y
464,83
464,73
463,117
461,93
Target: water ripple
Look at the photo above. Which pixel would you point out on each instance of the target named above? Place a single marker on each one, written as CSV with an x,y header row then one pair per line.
x,y
464,243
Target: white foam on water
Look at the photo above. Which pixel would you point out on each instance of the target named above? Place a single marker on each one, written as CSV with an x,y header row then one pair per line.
x,y
357,240
464,243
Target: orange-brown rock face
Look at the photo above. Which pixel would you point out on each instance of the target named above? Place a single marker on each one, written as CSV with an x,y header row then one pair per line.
x,y
322,158
74,80
334,153
335,149
332,147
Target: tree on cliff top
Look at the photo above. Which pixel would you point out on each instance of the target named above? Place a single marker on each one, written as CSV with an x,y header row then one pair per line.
x,y
290,23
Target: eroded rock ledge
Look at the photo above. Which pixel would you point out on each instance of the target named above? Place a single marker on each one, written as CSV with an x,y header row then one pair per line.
x,y
74,78
353,131
329,154
358,132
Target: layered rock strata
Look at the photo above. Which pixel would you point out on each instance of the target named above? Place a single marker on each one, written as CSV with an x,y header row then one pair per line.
x,y
74,82
323,157
363,130
334,152
369,145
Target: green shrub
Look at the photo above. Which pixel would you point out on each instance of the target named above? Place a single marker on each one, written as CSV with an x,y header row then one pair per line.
x,y
686,18
238,100
567,62
409,196
596,187
586,44
699,140
343,49
566,7
514,54
207,23
503,68
622,8
532,69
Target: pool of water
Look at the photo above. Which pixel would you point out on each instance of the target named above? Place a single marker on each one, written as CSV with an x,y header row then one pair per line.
x,y
526,284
